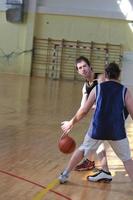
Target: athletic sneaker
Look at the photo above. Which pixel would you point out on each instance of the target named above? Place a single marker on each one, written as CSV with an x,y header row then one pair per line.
x,y
85,165
101,176
63,178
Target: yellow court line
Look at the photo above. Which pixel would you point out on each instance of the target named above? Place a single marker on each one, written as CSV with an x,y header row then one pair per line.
x,y
43,192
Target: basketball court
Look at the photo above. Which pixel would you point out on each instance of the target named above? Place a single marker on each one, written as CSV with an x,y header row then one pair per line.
x,y
29,154
40,88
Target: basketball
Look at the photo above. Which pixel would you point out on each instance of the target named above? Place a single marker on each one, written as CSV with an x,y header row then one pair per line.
x,y
66,144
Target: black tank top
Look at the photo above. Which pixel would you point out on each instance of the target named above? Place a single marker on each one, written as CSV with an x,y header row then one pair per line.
x,y
90,87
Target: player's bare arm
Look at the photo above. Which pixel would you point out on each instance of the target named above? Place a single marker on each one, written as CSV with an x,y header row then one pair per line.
x,y
81,113
129,103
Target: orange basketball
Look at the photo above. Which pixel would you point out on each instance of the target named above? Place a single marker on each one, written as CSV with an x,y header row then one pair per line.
x,y
67,144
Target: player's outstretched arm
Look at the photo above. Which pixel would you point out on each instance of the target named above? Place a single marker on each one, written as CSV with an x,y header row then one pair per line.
x,y
66,126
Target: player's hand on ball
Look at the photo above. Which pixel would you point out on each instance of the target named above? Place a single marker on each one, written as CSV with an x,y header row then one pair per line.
x,y
66,126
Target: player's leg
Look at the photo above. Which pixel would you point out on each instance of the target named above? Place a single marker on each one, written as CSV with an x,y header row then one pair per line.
x,y
122,150
87,163
78,155
102,157
128,164
103,175
75,159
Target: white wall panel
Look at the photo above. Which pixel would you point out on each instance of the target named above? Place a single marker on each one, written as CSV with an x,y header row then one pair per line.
x,y
95,8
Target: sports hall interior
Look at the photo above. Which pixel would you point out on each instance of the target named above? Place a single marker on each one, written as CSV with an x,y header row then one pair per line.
x,y
40,87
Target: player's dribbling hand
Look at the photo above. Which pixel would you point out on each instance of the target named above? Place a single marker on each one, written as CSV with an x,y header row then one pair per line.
x,y
66,126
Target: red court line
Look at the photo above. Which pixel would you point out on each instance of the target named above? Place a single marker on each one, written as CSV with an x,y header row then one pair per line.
x,y
32,182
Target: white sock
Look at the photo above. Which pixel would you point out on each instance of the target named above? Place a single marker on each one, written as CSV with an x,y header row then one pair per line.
x,y
66,173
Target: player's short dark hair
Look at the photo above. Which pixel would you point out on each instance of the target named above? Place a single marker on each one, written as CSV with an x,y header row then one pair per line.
x,y
82,58
112,71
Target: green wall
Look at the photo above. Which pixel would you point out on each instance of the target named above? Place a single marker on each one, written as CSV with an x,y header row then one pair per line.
x,y
16,40
84,29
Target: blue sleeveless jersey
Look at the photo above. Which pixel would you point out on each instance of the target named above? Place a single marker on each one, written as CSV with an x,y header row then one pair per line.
x,y
108,122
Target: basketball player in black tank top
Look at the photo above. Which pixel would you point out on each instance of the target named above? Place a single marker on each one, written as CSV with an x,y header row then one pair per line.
x,y
84,69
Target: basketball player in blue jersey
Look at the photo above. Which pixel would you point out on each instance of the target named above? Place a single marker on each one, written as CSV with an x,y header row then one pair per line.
x,y
84,68
108,123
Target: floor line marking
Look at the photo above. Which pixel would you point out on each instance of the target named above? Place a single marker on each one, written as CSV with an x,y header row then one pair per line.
x,y
32,182
43,192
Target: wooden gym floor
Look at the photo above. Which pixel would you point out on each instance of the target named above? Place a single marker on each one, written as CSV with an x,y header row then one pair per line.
x,y
30,114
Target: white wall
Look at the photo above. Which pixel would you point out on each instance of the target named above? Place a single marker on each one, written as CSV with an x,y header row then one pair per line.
x,y
94,8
